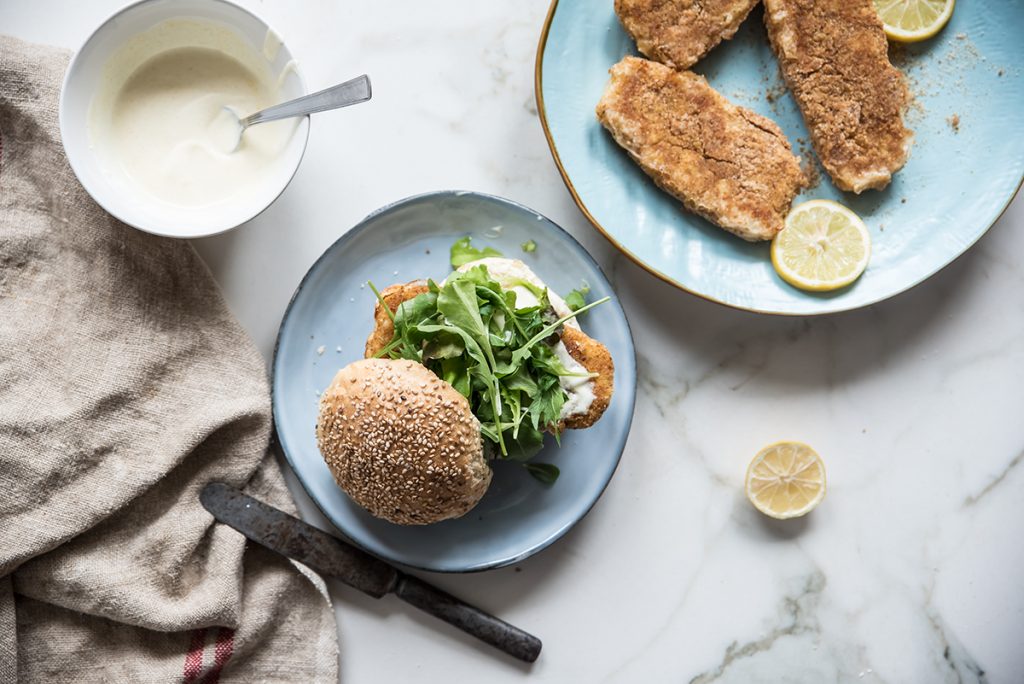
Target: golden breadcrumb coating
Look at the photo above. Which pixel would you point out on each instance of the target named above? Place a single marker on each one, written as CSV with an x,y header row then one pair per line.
x,y
834,57
596,358
383,329
680,32
726,163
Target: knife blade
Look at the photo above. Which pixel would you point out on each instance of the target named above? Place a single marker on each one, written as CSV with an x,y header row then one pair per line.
x,y
287,535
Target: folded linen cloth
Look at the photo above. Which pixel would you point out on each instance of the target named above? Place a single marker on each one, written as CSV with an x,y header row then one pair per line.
x,y
125,386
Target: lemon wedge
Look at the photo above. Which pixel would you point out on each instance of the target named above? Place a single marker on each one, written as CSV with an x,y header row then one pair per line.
x,y
910,21
823,246
786,480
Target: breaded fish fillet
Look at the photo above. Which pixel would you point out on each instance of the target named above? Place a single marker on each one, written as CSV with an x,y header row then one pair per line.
x,y
596,358
726,163
383,329
834,56
587,352
680,32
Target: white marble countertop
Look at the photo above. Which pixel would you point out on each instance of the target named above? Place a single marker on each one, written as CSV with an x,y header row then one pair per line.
x,y
908,572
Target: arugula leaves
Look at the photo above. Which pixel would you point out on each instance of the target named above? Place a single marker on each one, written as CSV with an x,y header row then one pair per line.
x,y
577,299
545,472
463,252
501,358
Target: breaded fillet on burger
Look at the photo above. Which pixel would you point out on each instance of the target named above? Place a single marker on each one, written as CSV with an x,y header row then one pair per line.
x,y
588,397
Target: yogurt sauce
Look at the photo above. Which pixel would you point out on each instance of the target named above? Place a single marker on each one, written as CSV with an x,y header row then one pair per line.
x,y
158,121
508,273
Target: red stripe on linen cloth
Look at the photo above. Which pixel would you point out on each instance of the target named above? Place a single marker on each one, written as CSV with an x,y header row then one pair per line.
x,y
194,656
221,654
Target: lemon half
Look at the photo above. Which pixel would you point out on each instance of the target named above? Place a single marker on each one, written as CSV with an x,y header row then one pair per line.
x,y
824,246
786,480
910,21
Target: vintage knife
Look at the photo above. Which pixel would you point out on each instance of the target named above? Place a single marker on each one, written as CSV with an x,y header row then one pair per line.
x,y
331,557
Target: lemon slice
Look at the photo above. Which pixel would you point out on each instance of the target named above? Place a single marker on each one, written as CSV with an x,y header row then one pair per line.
x,y
823,246
910,21
786,480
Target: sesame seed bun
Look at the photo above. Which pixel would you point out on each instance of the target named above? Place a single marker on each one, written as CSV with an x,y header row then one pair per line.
x,y
401,442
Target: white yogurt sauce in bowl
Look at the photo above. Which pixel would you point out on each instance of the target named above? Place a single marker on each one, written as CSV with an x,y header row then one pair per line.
x,y
166,127
144,122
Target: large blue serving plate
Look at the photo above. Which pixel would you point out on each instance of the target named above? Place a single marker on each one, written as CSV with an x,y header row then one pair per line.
x,y
333,308
957,183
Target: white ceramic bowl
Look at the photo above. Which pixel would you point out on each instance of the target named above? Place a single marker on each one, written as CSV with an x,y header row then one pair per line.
x,y
138,208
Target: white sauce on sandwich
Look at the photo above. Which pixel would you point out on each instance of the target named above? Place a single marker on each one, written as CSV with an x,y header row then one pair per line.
x,y
509,273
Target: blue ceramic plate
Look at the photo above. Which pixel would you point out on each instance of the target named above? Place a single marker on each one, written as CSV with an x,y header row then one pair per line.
x,y
333,308
955,186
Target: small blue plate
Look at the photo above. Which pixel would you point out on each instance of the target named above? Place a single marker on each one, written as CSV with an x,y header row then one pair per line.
x,y
960,177
333,308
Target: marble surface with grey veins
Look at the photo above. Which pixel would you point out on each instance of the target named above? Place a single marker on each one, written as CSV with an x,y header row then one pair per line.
x,y
910,569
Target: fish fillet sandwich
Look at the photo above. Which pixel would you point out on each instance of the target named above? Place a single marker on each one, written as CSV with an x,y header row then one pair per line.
x,y
457,374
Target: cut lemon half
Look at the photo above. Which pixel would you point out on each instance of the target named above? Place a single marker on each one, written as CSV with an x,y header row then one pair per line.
x,y
910,21
786,480
823,246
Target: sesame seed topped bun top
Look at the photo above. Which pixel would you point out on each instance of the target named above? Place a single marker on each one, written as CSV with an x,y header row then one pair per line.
x,y
401,442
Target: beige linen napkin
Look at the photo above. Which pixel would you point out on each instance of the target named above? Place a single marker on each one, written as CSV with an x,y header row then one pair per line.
x,y
125,386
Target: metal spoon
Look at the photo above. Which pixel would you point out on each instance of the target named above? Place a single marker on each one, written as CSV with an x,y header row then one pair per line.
x,y
348,93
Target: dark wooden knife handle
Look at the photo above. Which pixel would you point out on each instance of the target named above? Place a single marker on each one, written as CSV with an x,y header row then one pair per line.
x,y
483,626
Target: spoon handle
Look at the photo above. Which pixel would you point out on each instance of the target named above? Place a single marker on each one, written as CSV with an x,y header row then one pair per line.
x,y
348,93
